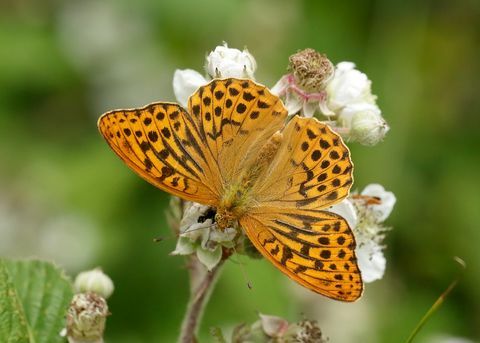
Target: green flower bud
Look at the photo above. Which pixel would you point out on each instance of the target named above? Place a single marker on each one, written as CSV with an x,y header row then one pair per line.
x,y
95,281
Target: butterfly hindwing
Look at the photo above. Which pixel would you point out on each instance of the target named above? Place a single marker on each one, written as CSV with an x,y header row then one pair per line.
x,y
160,144
314,248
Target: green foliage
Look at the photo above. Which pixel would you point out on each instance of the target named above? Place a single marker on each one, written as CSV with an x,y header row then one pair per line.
x,y
34,296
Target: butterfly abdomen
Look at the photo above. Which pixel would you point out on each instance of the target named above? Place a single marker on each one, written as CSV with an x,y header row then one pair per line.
x,y
263,160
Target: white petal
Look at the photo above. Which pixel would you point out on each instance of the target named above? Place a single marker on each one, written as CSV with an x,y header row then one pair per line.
x,y
387,200
185,83
345,66
280,87
208,257
309,108
221,236
293,103
348,86
371,261
184,247
346,209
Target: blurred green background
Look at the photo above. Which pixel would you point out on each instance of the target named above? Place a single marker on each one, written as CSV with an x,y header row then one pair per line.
x,y
65,196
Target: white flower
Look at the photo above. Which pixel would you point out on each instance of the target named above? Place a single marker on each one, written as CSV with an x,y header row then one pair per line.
x,y
199,235
296,98
387,200
348,86
96,281
222,62
227,62
185,83
303,88
364,214
349,101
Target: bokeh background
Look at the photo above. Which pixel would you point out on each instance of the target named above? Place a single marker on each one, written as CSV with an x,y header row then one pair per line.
x,y
66,197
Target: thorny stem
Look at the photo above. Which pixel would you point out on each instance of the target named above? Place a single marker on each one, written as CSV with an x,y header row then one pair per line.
x,y
199,294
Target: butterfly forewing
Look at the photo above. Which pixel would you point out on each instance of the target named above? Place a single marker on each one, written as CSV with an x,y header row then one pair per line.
x,y
236,118
312,168
157,143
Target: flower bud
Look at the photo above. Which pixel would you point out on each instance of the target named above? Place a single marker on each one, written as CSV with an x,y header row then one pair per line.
x,y
311,70
95,281
227,62
368,127
273,326
86,318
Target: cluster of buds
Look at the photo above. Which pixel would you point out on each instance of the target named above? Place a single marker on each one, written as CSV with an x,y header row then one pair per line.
x,y
88,311
342,94
275,329
313,86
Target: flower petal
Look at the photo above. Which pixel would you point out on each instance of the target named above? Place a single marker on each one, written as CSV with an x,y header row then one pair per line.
x,y
387,200
281,86
185,246
185,83
273,326
371,261
309,108
209,258
293,103
348,86
346,209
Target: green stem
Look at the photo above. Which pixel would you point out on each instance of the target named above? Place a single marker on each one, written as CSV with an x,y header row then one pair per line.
x,y
199,296
437,303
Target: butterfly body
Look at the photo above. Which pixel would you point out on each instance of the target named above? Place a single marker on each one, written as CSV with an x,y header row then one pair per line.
x,y
235,151
238,197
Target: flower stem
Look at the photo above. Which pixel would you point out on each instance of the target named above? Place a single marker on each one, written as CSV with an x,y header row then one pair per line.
x,y
199,295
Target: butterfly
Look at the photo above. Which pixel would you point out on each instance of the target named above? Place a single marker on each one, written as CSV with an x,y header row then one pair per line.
x,y
234,150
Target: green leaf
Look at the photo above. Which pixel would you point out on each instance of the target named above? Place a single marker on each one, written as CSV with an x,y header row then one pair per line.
x,y
34,297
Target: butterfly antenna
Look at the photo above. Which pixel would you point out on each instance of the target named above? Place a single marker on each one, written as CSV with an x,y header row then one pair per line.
x,y
242,268
163,238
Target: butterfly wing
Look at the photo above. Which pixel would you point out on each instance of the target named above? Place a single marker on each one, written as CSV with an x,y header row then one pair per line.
x,y
162,145
311,170
195,154
313,247
235,119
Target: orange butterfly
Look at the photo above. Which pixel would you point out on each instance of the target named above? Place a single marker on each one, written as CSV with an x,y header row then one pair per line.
x,y
234,151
